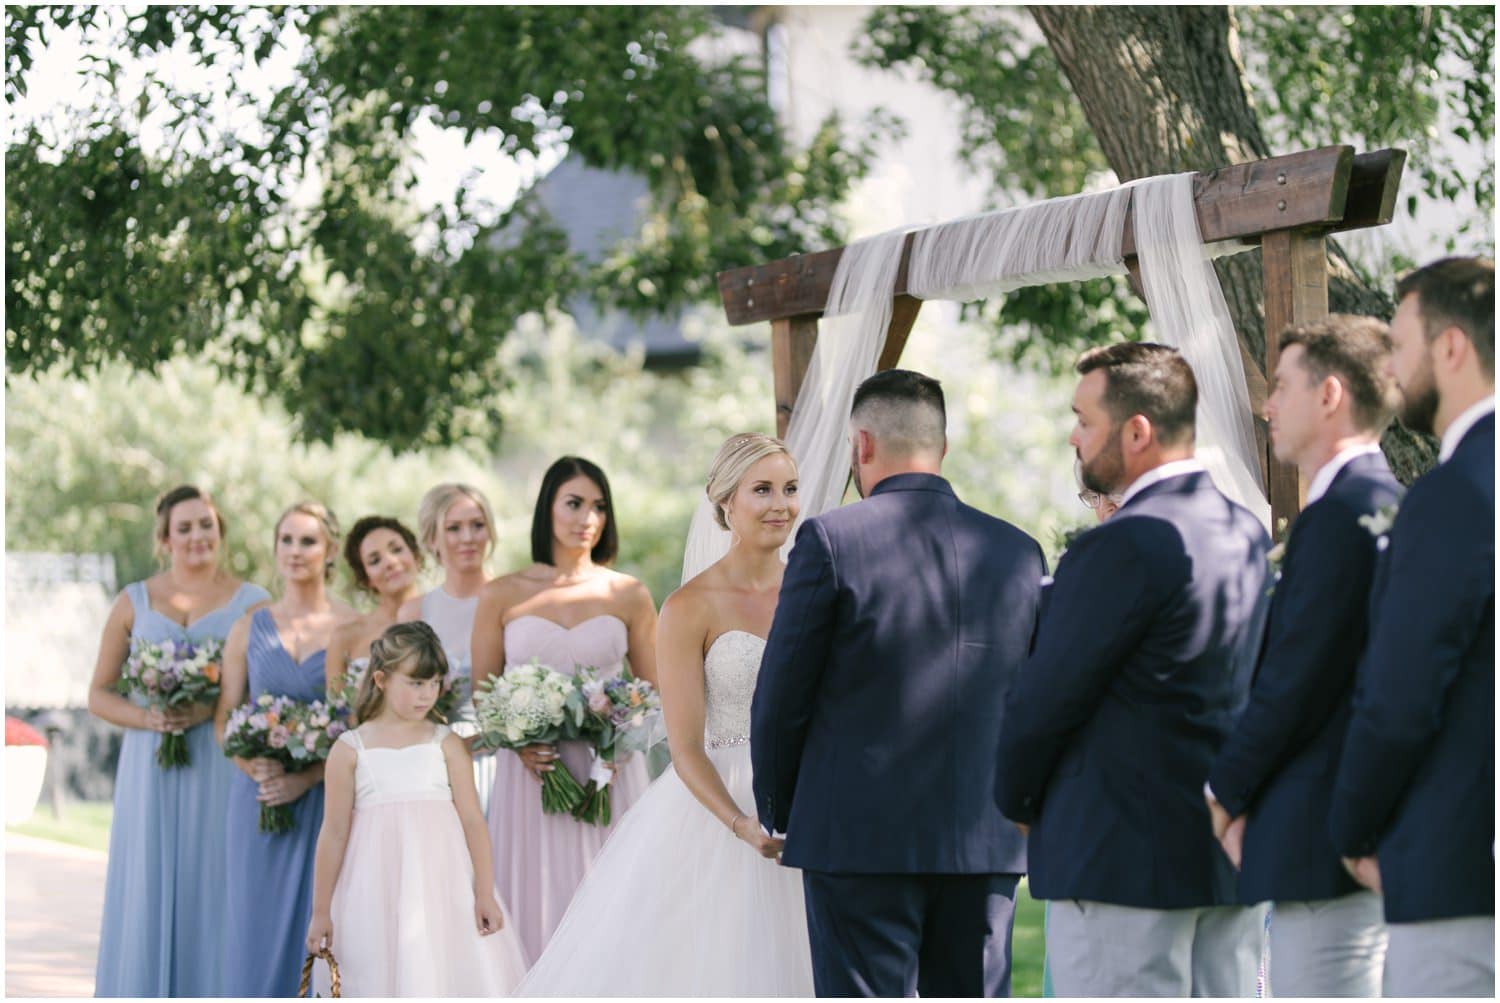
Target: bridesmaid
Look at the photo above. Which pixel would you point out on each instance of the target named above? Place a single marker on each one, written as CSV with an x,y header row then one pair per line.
x,y
279,649
457,529
162,934
567,609
382,556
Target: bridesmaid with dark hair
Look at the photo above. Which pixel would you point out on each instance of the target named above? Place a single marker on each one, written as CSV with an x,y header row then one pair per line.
x,y
162,933
383,557
567,610
279,649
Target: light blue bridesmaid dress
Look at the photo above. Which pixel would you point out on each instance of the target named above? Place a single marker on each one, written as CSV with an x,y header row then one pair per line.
x,y
268,877
163,929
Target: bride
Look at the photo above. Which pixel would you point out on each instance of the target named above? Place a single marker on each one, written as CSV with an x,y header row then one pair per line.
x,y
712,917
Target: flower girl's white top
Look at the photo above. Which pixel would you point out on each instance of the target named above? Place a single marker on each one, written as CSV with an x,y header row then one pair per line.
x,y
391,775
729,671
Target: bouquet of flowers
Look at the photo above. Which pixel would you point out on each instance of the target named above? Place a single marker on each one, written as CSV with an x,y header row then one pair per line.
x,y
297,735
622,714
172,674
527,704
453,694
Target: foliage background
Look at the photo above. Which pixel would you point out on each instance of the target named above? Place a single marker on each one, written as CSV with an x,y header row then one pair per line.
x,y
267,312
85,459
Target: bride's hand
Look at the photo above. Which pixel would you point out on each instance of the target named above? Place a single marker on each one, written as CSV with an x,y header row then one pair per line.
x,y
538,758
746,829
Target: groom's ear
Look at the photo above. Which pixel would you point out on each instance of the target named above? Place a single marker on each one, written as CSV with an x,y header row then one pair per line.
x,y
864,445
1136,434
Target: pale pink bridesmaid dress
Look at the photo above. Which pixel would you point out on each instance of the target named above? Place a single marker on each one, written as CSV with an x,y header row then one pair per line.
x,y
540,859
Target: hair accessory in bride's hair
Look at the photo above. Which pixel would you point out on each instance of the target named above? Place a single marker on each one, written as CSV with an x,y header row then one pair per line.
x,y
739,453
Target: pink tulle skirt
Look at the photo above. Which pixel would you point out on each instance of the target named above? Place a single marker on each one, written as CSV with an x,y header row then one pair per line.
x,y
403,910
539,858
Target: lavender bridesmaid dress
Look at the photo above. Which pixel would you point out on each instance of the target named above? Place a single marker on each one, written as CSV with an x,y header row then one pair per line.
x,y
540,859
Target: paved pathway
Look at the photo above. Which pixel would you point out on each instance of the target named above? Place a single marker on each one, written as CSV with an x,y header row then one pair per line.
x,y
54,897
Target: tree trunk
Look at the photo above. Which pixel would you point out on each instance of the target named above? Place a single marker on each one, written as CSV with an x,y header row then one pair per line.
x,y
1164,91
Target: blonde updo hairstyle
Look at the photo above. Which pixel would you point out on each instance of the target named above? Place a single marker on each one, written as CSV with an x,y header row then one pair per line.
x,y
434,507
733,460
327,521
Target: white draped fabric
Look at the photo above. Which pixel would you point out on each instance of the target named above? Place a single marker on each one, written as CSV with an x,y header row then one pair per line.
x,y
1188,312
1057,240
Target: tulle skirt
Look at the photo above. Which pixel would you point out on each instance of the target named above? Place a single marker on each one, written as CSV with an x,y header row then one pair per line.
x,y
675,905
541,858
403,909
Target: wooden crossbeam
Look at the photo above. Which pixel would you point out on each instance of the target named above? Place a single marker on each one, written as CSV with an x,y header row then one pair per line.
x,y
1327,190
1287,205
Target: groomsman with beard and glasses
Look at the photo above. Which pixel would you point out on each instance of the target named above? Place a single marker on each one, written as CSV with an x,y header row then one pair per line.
x,y
1413,809
902,620
1139,668
1330,400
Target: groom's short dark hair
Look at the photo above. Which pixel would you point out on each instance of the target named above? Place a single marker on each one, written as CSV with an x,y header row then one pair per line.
x,y
904,408
1155,381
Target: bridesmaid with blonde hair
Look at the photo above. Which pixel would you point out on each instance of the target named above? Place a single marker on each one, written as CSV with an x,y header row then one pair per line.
x,y
456,527
280,649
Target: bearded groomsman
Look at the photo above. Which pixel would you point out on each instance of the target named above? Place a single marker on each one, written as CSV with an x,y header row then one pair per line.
x,y
1138,670
1330,400
1413,808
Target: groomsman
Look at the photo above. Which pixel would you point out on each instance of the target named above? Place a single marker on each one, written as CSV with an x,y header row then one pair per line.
x,y
1330,400
1413,808
1112,724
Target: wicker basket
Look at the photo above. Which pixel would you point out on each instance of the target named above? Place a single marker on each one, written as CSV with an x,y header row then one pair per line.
x,y
333,973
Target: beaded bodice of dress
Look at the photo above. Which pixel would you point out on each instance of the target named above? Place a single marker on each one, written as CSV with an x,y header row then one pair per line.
x,y
729,672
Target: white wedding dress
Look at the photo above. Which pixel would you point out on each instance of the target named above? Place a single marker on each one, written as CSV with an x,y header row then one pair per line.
x,y
674,904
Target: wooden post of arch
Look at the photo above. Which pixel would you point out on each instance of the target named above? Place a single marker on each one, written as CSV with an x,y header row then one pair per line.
x,y
1288,205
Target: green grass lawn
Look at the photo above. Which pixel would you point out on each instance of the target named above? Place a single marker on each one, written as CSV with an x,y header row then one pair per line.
x,y
86,823
1026,945
83,823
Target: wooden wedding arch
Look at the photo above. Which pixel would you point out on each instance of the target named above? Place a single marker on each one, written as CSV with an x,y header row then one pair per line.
x,y
1288,205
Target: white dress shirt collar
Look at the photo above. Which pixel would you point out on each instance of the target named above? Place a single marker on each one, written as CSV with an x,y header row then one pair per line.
x,y
1323,479
1461,425
1155,475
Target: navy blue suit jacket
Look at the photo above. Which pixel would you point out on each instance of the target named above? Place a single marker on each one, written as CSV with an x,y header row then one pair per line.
x,y
1280,762
1142,662
902,619
1416,784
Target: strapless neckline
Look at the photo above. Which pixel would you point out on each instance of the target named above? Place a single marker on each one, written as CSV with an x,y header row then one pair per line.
x,y
568,630
729,674
726,633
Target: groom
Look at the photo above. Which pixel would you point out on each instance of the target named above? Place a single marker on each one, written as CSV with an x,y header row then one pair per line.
x,y
877,714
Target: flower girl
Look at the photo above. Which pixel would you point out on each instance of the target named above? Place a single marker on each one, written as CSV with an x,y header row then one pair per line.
x,y
401,830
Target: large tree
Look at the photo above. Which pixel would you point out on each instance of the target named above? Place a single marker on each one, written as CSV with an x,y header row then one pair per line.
x,y
1158,90
272,229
